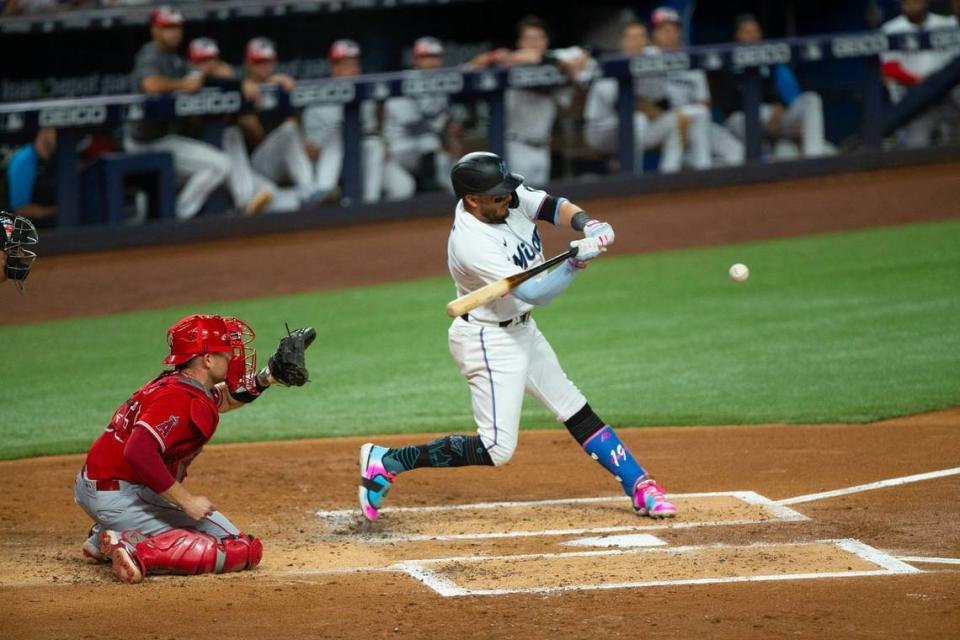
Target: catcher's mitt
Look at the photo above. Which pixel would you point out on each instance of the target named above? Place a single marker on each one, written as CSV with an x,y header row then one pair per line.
x,y
288,365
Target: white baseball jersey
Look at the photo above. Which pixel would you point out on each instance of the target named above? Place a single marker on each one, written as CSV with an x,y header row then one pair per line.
x,y
479,253
919,63
503,363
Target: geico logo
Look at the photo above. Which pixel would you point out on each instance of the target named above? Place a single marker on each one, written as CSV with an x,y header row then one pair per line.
x,y
659,63
73,116
758,55
536,76
946,39
207,102
850,46
339,92
443,82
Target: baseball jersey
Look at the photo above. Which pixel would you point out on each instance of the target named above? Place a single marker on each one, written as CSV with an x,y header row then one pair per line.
x,y
323,123
920,63
479,253
409,117
675,88
151,60
177,411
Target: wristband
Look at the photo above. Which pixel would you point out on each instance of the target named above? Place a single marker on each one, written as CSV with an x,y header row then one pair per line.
x,y
579,220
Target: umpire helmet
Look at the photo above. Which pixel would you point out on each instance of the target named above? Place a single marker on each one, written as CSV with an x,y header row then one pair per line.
x,y
483,173
18,238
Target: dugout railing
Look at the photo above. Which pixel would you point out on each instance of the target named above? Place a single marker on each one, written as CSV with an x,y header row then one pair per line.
x,y
74,116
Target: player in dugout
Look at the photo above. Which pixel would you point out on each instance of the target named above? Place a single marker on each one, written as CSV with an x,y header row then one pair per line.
x,y
132,483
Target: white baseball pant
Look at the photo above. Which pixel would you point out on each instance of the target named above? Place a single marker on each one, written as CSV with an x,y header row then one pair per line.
x,y
698,135
245,183
662,132
530,161
381,177
203,168
281,156
500,364
802,120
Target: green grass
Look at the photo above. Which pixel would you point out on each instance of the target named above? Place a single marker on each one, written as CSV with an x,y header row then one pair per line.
x,y
836,328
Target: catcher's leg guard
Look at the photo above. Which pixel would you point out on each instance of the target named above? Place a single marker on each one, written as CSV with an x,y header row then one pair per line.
x,y
189,552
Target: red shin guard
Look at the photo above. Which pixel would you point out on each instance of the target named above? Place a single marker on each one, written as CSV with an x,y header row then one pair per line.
x,y
188,552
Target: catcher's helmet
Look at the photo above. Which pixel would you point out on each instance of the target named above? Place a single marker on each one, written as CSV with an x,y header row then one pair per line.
x,y
483,173
18,237
198,334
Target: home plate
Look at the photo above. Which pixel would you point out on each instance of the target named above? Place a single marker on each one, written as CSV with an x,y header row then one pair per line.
x,y
627,541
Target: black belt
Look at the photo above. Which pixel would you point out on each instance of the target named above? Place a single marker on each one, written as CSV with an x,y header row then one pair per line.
x,y
505,323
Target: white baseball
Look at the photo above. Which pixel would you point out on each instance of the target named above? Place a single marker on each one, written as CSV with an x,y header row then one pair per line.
x,y
739,272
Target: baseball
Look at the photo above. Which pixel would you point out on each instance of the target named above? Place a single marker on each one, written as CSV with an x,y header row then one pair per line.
x,y
739,272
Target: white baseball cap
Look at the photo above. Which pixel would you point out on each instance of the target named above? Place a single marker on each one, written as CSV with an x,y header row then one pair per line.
x,y
344,48
261,50
427,46
201,49
664,14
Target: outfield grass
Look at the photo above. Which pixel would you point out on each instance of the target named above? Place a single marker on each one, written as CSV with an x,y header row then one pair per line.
x,y
846,327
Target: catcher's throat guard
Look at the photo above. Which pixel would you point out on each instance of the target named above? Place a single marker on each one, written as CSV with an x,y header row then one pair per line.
x,y
199,334
17,237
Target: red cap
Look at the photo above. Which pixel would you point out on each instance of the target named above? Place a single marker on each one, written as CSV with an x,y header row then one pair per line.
x,y
201,49
664,14
261,50
165,16
344,48
427,46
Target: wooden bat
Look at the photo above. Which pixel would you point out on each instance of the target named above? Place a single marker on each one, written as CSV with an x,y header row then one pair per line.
x,y
483,295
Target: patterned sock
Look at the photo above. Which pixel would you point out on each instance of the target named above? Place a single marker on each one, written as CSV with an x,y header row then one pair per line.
x,y
605,447
448,451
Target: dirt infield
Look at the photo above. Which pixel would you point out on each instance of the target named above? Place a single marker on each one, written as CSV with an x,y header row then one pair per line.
x,y
542,548
827,567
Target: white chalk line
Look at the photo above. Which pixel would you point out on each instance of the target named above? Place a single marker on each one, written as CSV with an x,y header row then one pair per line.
x,y
928,559
779,513
892,482
419,569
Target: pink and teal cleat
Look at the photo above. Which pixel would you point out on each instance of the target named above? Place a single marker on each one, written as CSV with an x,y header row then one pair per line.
x,y
375,480
649,500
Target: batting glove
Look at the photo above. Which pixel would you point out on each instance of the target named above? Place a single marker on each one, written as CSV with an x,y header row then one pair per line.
x,y
602,231
587,249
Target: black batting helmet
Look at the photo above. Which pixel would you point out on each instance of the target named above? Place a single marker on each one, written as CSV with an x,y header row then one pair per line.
x,y
483,173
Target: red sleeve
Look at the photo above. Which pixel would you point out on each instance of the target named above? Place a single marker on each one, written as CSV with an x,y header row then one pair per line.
x,y
894,71
142,453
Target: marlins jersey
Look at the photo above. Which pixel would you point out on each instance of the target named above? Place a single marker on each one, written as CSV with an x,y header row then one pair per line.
x,y
479,253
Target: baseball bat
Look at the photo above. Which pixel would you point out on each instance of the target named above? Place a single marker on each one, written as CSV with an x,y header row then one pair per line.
x,y
483,295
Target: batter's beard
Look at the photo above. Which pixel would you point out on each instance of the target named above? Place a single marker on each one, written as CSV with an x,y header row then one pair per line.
x,y
493,218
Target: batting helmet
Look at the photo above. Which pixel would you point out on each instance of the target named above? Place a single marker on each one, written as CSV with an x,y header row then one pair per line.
x,y
483,173
198,334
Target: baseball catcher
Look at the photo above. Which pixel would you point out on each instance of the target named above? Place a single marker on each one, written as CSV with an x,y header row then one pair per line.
x,y
132,484
17,235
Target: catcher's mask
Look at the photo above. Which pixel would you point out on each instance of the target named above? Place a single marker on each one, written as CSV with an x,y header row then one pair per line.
x,y
18,233
199,334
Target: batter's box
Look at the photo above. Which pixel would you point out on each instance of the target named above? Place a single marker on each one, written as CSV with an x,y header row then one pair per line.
x,y
573,516
589,570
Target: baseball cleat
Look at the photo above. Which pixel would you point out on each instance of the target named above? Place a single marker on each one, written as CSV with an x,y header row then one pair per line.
x,y
91,547
375,480
114,546
649,500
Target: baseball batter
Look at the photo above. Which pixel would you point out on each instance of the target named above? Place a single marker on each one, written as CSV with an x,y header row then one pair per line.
x,y
17,235
132,482
498,347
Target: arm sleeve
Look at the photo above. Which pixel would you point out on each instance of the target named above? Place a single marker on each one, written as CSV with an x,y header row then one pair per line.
x,y
142,453
787,85
21,177
544,288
